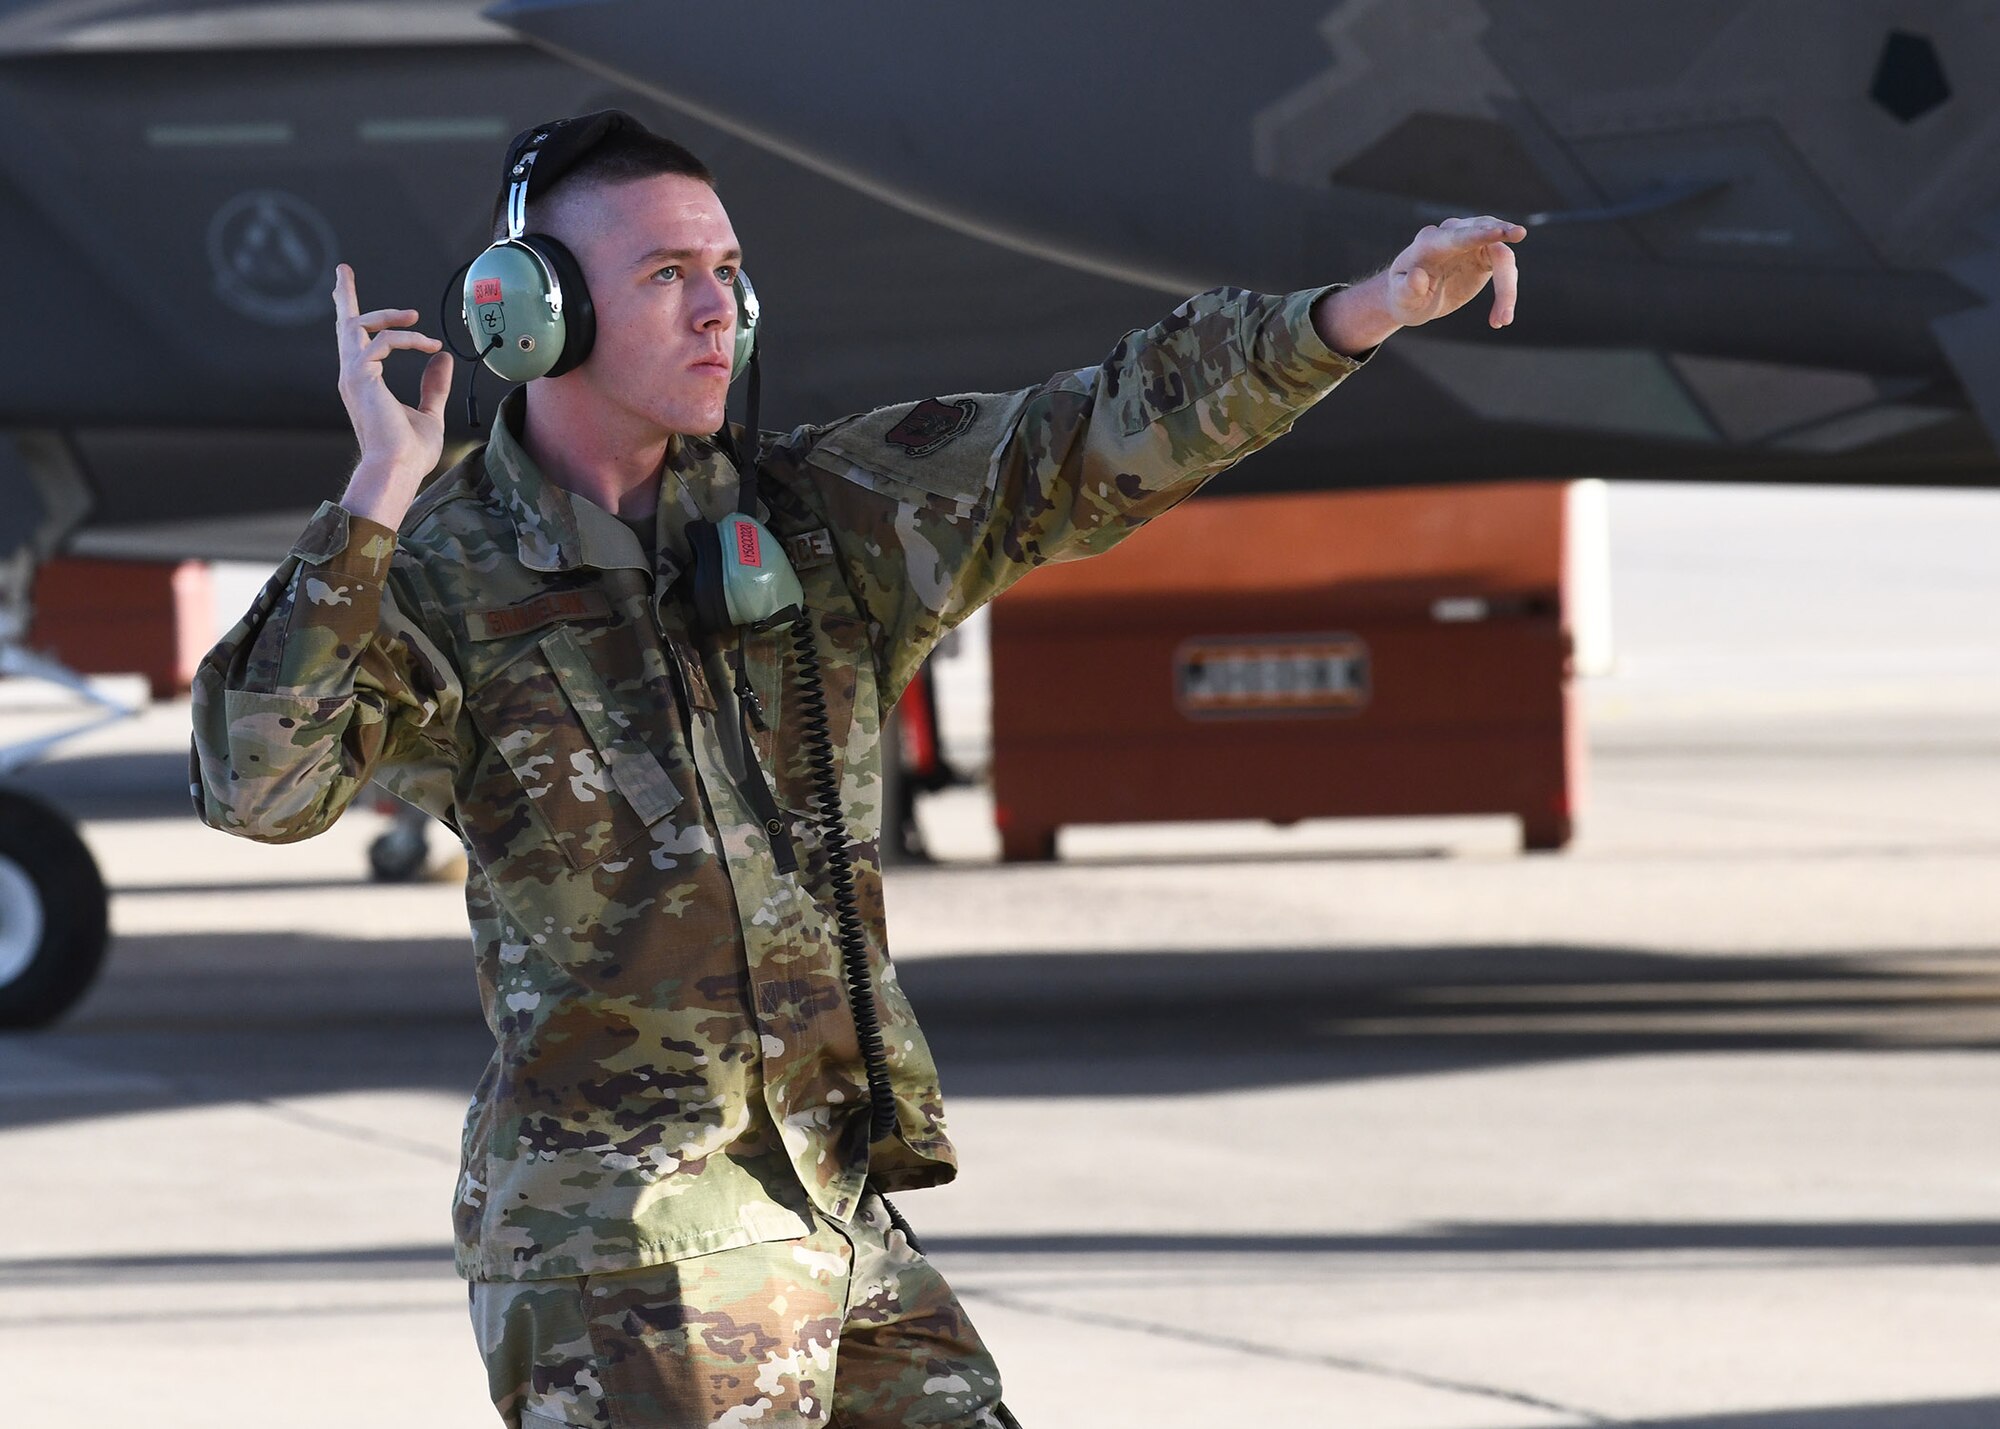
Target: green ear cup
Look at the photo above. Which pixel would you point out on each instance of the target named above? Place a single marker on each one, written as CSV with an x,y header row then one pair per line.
x,y
740,576
757,579
748,311
527,308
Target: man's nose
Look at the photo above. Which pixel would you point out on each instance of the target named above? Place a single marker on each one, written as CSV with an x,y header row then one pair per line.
x,y
716,306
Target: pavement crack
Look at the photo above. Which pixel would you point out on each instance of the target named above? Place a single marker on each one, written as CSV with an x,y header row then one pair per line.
x,y
185,1315
1189,1335
368,1136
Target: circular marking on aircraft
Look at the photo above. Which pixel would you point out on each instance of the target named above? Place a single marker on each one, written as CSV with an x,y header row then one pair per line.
x,y
272,254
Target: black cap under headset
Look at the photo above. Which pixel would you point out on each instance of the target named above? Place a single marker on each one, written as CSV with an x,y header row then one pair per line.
x,y
567,142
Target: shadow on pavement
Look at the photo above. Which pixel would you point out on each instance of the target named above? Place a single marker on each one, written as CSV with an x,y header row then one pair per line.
x,y
373,1262
262,885
1097,1024
145,784
1925,1414
206,1017
1902,1242
1876,1242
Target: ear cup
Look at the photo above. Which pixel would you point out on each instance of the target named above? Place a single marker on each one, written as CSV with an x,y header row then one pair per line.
x,y
505,304
748,312
579,315
711,603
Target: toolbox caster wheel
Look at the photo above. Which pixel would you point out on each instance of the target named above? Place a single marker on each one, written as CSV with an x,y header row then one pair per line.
x,y
400,854
1027,846
1545,833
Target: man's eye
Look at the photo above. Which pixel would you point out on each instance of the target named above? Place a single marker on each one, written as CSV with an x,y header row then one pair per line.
x,y
672,270
726,273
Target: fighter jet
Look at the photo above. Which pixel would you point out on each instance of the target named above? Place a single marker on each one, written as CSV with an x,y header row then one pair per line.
x,y
1762,247
1763,231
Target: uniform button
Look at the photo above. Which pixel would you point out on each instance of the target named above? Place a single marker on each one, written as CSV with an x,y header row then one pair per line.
x,y
771,826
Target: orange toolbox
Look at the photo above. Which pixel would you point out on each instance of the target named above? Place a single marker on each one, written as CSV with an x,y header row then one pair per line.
x,y
1287,657
105,617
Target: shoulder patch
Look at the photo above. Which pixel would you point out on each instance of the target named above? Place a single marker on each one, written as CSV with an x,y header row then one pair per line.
x,y
891,448
931,424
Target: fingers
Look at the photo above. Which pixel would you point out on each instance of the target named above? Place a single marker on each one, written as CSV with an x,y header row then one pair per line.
x,y
350,325
344,304
437,384
387,317
346,332
383,343
1506,284
1462,235
1448,263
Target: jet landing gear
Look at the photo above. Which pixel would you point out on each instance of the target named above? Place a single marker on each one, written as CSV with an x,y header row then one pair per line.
x,y
54,910
54,922
55,914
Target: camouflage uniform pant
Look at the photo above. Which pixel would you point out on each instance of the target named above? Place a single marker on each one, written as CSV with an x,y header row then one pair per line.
x,y
742,1337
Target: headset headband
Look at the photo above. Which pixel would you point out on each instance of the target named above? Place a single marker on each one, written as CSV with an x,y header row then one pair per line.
x,y
517,192
541,155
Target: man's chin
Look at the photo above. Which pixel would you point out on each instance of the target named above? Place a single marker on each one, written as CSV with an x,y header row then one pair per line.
x,y
695,424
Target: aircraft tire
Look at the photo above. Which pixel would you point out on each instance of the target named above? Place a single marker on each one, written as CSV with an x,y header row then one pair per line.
x,y
54,913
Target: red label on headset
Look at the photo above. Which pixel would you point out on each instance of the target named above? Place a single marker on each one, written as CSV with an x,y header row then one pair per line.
x,y
747,552
485,290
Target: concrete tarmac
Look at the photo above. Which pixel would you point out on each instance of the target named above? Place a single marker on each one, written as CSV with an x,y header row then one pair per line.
x,y
1380,1125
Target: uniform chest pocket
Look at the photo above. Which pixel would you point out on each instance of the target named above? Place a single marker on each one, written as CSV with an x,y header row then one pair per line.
x,y
587,779
846,692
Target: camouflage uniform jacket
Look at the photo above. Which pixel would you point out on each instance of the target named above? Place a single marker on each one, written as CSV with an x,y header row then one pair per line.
x,y
676,1069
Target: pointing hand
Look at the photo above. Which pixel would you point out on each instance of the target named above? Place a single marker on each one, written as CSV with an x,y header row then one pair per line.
x,y
1441,271
1447,264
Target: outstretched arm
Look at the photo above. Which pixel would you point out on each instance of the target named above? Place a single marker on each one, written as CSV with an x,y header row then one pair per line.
x,y
940,505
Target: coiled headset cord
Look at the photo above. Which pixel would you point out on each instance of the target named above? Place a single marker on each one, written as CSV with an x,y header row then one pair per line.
x,y
840,865
847,915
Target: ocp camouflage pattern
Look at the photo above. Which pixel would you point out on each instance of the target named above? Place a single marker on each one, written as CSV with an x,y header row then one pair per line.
x,y
675,1068
850,1325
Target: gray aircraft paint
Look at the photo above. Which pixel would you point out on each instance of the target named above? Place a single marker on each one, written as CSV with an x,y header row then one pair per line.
x,y
1323,135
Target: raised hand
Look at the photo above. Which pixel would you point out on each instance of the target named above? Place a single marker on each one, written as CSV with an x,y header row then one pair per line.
x,y
1447,264
399,445
1441,271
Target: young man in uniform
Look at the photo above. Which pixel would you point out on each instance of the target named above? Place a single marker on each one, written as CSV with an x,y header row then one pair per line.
x,y
670,1207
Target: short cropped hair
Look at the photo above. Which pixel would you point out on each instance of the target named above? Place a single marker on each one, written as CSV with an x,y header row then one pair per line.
x,y
622,156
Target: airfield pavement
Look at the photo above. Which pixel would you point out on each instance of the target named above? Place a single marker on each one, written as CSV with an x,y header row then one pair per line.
x,y
1375,1125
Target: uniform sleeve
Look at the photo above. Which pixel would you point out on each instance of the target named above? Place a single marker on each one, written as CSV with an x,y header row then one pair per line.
x,y
938,506
327,682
